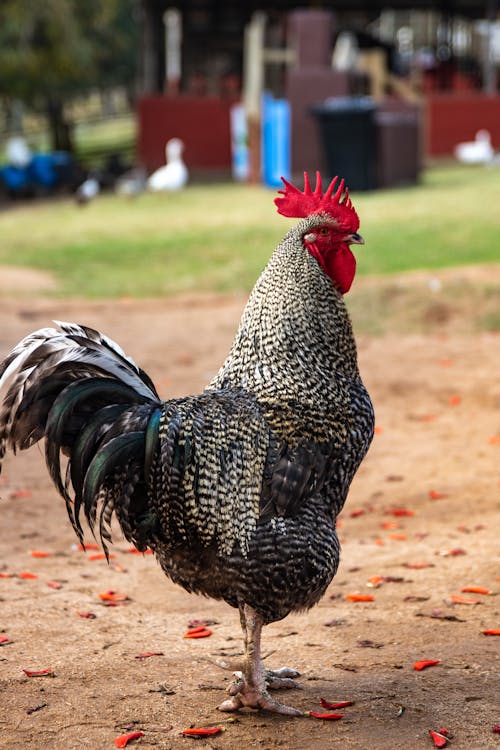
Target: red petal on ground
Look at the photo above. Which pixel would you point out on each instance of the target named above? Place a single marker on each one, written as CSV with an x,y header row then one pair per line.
x,y
424,663
147,654
202,731
475,590
27,575
54,584
400,512
329,717
438,738
38,672
112,596
359,597
4,639
124,739
198,633
331,706
39,553
436,495
491,632
452,552
87,615
19,494
463,600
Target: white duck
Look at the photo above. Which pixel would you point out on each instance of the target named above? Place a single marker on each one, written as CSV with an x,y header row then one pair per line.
x,y
174,175
479,151
87,191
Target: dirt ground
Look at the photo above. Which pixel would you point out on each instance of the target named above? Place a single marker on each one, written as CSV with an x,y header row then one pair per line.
x,y
435,456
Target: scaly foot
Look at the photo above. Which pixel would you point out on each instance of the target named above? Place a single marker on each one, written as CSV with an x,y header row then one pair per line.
x,y
277,679
242,694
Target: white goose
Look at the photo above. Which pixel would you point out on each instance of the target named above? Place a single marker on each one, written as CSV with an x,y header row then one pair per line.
x,y
479,151
174,175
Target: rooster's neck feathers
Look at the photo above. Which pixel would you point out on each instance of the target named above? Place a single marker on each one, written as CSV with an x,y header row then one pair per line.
x,y
295,340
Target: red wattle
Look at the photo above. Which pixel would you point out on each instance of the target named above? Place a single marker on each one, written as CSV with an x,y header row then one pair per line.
x,y
341,268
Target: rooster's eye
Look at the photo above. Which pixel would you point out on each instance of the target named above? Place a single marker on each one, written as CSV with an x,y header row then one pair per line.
x,y
324,231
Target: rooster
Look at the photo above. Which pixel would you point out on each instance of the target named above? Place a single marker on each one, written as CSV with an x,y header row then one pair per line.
x,y
236,490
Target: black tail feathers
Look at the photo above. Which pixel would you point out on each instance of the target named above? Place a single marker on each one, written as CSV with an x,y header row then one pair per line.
x,y
93,405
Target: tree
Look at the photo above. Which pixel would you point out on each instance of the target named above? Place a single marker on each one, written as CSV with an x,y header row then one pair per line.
x,y
53,50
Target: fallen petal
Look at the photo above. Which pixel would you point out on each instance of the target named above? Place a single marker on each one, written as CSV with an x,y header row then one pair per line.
x,y
436,495
424,663
87,615
439,739
463,600
39,553
202,731
54,584
475,590
331,706
112,596
147,654
359,597
330,717
19,494
375,581
491,632
38,672
124,739
4,640
197,633
452,552
27,575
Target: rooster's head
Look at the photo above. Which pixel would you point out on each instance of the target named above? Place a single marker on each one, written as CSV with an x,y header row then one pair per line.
x,y
331,227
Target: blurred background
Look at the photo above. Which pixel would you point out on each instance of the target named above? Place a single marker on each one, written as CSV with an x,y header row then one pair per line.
x,y
153,113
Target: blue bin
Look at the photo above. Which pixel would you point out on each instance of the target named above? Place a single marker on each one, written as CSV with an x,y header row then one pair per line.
x,y
275,140
15,179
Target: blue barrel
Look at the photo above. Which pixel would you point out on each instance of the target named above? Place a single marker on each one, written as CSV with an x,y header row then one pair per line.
x,y
275,140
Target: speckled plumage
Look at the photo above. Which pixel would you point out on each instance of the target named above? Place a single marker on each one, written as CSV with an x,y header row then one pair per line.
x,y
241,485
300,422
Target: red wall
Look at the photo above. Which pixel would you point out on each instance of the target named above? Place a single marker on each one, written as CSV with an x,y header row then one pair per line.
x,y
202,123
453,118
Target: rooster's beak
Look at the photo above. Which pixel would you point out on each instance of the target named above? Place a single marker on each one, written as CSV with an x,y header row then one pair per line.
x,y
354,239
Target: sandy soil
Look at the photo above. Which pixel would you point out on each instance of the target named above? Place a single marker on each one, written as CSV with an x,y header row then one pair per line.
x,y
437,400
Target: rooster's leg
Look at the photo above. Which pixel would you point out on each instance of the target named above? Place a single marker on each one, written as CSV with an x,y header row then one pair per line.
x,y
275,678
251,686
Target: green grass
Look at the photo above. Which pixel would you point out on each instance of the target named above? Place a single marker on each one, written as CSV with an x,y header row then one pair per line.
x,y
219,237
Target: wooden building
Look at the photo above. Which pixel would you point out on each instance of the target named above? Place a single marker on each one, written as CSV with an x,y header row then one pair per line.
x,y
193,68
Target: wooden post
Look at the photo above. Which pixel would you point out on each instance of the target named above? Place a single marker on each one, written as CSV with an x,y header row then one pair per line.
x,y
253,86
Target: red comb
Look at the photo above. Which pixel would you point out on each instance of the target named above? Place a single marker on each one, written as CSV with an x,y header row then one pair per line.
x,y
294,202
